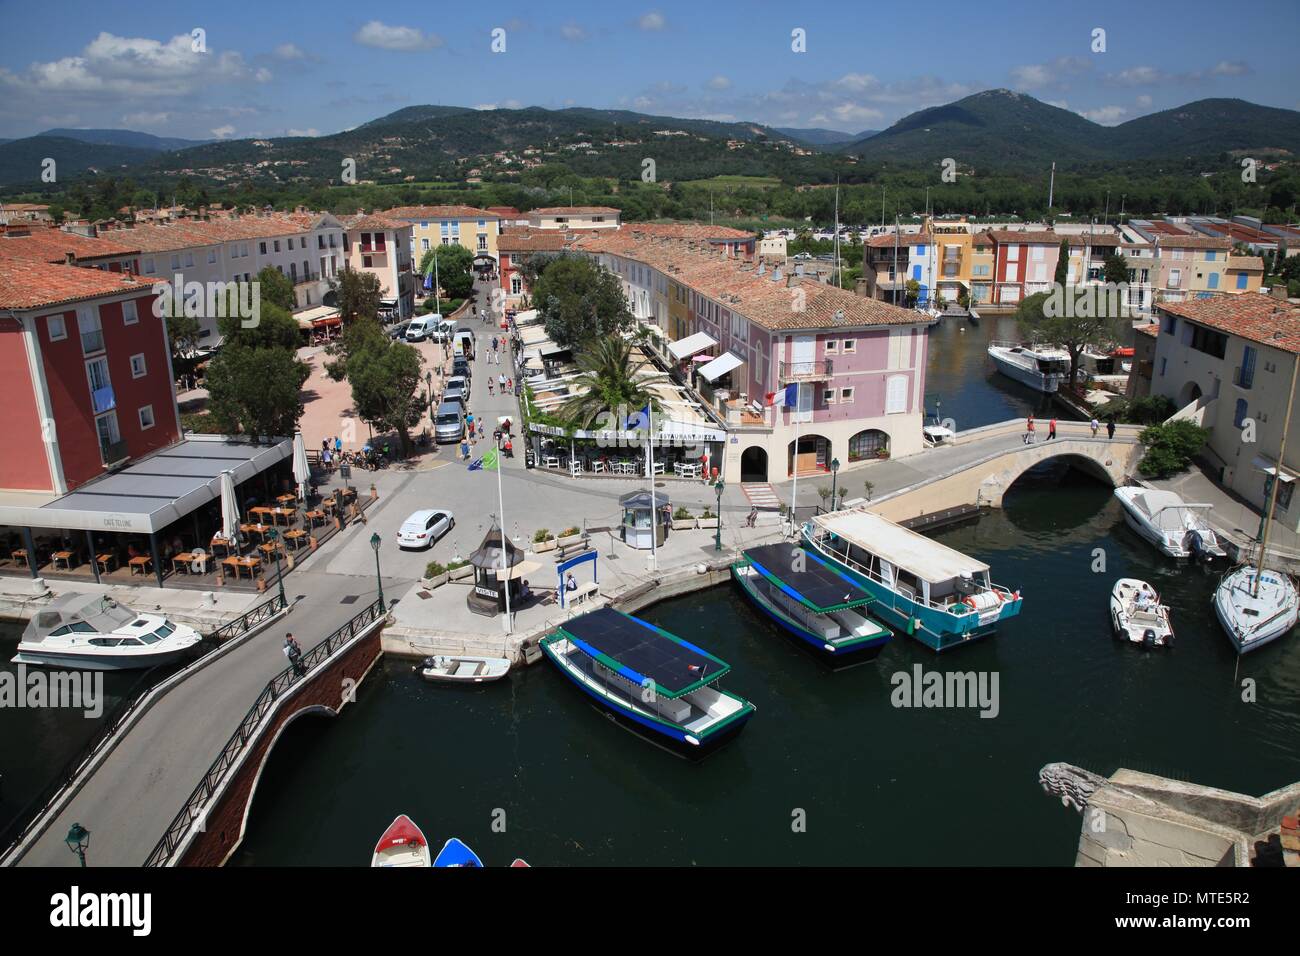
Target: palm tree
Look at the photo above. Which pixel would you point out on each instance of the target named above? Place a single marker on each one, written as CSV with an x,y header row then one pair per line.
x,y
608,380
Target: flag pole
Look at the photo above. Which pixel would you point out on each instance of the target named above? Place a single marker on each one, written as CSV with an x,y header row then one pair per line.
x,y
501,510
650,467
794,466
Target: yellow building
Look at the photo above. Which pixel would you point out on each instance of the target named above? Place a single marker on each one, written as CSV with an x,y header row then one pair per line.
x,y
1244,273
952,258
475,229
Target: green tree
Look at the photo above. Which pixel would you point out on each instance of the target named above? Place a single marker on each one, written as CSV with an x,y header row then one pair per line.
x,y
385,377
455,269
1170,447
911,292
1062,276
255,380
580,302
1072,332
1115,269
358,294
610,382
276,288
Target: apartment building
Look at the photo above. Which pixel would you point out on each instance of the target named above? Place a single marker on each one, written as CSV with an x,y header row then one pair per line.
x,y
514,246
381,246
739,332
891,260
85,374
1226,361
574,217
47,244
478,230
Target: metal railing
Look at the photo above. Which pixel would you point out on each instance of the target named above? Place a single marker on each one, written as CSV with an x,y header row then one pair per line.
x,y
816,369
246,733
117,718
114,451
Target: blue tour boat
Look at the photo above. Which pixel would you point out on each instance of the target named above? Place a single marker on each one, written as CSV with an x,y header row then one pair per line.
x,y
455,853
813,600
654,683
933,592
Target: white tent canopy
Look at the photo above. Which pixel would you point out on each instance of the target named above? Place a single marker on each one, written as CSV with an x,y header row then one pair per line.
x,y
720,366
683,348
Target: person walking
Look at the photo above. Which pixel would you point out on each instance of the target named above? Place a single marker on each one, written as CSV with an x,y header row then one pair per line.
x,y
1110,428
293,651
1051,430
464,449
338,445
1029,431
752,519
1094,424
490,385
501,381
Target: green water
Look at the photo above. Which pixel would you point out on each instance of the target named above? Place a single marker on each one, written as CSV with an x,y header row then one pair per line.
x,y
876,784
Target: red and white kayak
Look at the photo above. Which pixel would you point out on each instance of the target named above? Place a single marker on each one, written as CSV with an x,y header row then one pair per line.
x,y
403,844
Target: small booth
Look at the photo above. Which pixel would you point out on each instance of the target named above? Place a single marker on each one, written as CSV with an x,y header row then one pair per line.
x,y
643,517
488,596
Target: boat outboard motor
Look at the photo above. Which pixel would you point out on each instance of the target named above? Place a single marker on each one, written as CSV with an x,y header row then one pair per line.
x,y
1149,638
1194,545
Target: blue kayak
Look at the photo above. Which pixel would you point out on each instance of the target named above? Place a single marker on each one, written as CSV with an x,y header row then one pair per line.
x,y
455,853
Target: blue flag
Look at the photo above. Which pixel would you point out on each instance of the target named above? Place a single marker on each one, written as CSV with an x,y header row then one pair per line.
x,y
476,464
640,419
791,399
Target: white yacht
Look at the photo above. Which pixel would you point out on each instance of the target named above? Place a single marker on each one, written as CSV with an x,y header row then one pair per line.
x,y
94,632
1176,527
1041,367
1254,616
1137,614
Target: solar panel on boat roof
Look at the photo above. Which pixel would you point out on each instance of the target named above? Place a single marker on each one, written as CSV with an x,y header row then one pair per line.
x,y
818,583
643,649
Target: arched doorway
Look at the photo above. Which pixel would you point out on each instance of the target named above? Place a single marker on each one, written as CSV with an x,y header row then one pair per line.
x,y
753,464
868,444
1189,393
812,457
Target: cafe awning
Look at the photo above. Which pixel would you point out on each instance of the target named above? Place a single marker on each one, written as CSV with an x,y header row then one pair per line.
x,y
318,317
720,366
692,344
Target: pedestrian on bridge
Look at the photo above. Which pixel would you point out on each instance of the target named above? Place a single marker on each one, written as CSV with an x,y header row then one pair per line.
x,y
1095,425
1051,430
293,651
1110,428
1029,431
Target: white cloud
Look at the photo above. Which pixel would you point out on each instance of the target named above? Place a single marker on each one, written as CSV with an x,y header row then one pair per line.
x,y
1144,100
1054,75
1105,115
384,37
289,51
135,120
1138,76
719,82
311,131
652,22
1231,68
223,132
573,32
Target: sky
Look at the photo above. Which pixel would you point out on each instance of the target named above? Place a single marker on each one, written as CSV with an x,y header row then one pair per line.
x,y
237,69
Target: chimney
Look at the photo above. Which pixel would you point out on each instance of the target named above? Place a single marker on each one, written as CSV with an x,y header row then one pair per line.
x,y
791,282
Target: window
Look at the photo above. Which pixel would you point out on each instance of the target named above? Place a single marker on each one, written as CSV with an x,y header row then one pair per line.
x,y
1209,341
1209,255
516,285
149,267
895,394
130,314
212,256
1170,325
101,388
846,395
871,443
1213,282
138,367
1243,280
189,260
828,396
850,346
1239,413
424,245
261,247
1163,362
176,262
92,336
832,346
367,261
482,241
110,439
57,328
146,417
1246,374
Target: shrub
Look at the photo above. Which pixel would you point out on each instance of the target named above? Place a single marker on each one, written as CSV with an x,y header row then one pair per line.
x,y
201,423
453,565
540,535
568,532
434,569
1169,448
708,512
681,514
823,492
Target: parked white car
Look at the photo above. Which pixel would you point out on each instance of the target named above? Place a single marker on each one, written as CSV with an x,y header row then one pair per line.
x,y
424,527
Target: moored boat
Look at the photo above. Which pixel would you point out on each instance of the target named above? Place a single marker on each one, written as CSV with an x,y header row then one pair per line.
x,y
94,632
933,592
654,683
1256,606
1042,368
813,601
463,669
456,853
1137,614
1173,525
403,844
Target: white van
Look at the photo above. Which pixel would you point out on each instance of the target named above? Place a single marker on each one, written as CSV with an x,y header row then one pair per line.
x,y
423,326
463,343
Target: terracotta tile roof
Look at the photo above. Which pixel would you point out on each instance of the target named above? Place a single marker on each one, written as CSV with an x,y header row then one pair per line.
x,y
1048,237
735,285
29,284
1246,263
575,211
904,239
1166,241
439,212
52,245
191,233
1251,315
1151,329
538,240
505,212
375,222
686,230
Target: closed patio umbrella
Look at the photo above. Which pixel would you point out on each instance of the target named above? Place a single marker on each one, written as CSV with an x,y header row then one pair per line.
x,y
301,470
229,508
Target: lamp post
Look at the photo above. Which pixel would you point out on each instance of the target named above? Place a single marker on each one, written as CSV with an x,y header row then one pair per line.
x,y
374,544
835,468
717,541
78,839
428,389
272,534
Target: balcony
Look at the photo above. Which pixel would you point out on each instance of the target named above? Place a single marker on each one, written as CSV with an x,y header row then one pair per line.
x,y
92,340
305,277
103,400
1243,378
814,371
114,452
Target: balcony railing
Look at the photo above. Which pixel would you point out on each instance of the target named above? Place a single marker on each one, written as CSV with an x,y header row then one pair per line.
x,y
805,371
113,452
1243,378
92,341
304,277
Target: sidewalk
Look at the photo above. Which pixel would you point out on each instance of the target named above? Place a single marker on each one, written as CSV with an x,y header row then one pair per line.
x,y
1233,519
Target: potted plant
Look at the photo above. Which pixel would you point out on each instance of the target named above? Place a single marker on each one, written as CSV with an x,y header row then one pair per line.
x,y
435,575
542,540
707,519
459,570
868,487
571,535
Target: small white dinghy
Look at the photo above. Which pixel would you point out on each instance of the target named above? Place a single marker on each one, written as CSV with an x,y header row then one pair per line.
x,y
462,669
1138,615
1253,616
403,844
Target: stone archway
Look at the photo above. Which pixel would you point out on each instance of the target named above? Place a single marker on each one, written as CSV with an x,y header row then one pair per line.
x,y
813,456
753,464
1189,393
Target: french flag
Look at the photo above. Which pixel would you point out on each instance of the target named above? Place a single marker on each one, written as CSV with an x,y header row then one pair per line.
x,y
789,397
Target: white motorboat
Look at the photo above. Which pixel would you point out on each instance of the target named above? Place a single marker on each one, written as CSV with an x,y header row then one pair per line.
x,y
449,669
403,844
94,632
1254,616
1138,615
1176,527
1041,367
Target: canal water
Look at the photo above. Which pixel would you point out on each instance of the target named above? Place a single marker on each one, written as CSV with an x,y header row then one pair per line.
x,y
828,771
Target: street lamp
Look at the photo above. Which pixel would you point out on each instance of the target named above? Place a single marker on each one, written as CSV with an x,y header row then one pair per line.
x,y
374,544
78,839
428,389
835,467
272,535
717,541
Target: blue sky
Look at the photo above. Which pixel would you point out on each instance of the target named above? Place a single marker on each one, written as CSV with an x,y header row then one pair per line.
x,y
278,68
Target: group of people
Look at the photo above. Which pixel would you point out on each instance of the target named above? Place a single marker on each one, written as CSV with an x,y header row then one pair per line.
x,y
1031,429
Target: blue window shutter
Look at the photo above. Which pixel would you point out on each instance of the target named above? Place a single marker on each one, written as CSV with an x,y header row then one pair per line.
x,y
1214,280
916,273
1239,415
1243,280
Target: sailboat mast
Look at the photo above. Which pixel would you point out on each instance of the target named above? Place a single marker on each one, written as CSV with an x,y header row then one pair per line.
x,y
1277,478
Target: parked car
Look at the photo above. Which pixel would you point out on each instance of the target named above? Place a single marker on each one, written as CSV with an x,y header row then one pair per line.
x,y
449,422
462,369
443,331
458,381
424,527
457,395
398,331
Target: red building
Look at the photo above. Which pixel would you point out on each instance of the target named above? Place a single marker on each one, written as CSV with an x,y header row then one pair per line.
x,y
85,374
516,245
